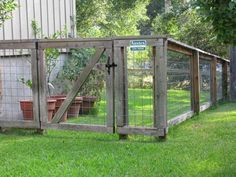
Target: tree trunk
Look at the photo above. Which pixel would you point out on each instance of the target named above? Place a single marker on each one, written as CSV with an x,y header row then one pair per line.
x,y
233,73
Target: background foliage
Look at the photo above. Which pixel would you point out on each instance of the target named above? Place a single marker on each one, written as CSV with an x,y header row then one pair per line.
x,y
6,7
96,18
185,23
222,15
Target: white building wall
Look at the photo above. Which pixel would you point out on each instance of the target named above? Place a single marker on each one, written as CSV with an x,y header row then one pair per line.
x,y
51,16
12,91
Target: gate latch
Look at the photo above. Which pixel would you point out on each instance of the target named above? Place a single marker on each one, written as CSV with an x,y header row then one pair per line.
x,y
109,66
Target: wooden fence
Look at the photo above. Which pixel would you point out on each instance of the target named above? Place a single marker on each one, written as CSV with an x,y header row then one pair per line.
x,y
136,95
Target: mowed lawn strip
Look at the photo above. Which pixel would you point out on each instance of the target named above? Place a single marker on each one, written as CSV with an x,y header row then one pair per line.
x,y
202,146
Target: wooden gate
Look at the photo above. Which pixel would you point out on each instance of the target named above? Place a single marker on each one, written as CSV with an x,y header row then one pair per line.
x,y
141,85
102,49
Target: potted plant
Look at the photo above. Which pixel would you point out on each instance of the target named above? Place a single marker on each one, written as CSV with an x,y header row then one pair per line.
x,y
27,105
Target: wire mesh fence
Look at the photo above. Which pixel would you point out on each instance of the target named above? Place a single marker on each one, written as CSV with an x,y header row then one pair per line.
x,y
205,81
63,67
16,102
140,87
122,89
178,84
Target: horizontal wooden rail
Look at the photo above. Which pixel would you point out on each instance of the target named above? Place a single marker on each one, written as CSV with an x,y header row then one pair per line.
x,y
181,118
205,106
78,127
187,49
105,42
16,44
19,124
74,44
141,131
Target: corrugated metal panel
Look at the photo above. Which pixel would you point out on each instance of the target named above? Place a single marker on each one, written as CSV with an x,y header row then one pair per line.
x,y
50,15
31,15
23,15
45,20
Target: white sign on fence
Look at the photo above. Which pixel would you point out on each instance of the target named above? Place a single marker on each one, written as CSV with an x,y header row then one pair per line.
x,y
138,45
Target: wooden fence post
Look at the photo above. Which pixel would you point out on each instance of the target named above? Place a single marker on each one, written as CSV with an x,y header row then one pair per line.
x,y
109,76
0,95
35,85
121,88
1,90
160,86
225,80
233,73
42,89
195,82
213,81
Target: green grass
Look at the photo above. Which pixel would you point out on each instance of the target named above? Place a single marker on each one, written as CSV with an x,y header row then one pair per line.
x,y
178,102
202,146
141,107
205,97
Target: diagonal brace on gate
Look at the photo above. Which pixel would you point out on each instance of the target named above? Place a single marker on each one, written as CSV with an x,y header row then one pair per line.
x,y
78,84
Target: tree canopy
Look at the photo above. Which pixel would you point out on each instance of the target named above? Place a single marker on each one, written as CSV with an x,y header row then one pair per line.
x,y
6,6
109,17
184,23
222,14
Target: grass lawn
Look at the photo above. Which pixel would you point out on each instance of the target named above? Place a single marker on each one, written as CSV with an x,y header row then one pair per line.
x,y
202,146
141,107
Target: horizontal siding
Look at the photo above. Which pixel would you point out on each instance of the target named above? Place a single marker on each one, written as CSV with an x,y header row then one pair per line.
x,y
51,16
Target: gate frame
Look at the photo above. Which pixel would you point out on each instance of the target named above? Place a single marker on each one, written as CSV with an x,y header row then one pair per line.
x,y
101,45
159,52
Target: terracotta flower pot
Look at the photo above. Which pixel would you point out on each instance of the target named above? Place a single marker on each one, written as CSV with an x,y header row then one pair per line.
x,y
59,100
27,109
87,104
51,108
74,108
